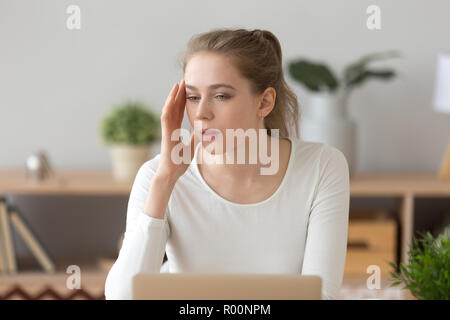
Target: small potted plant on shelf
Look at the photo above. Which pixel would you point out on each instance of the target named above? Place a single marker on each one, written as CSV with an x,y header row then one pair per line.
x,y
427,273
130,130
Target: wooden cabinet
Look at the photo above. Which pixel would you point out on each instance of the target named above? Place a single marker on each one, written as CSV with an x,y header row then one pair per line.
x,y
405,188
372,240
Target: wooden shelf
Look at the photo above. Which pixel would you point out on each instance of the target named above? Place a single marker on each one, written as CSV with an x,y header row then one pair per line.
x,y
66,182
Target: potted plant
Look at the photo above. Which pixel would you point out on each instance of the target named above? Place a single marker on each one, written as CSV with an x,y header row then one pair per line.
x,y
427,273
130,129
325,118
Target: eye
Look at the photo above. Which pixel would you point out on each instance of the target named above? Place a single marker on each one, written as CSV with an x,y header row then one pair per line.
x,y
223,96
219,96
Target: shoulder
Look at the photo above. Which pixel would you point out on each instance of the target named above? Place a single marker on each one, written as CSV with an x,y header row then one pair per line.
x,y
150,166
333,159
333,170
319,162
317,153
145,173
148,170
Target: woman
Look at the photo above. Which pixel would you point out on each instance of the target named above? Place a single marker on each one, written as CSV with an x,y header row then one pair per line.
x,y
212,217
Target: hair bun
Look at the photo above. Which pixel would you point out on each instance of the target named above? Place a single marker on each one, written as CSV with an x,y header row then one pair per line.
x,y
273,40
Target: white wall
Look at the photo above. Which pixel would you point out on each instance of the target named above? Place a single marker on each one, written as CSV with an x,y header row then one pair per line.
x,y
56,84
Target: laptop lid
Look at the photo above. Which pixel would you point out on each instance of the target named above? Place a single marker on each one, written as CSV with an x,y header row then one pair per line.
x,y
196,286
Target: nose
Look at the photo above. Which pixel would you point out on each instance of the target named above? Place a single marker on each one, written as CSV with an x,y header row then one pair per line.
x,y
203,110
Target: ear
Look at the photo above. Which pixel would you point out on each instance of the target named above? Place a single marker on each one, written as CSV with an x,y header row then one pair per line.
x,y
267,101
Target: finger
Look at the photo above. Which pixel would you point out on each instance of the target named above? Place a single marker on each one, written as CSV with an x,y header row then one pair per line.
x,y
180,100
181,94
172,94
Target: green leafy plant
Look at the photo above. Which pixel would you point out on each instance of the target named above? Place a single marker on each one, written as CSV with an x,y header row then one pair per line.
x,y
131,123
427,273
317,77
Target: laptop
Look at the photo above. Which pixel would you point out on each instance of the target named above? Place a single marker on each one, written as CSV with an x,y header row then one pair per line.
x,y
197,286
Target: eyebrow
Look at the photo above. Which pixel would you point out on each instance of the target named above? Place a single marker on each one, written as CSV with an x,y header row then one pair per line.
x,y
213,86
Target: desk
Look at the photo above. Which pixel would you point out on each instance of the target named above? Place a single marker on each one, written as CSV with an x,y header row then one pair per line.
x,y
404,187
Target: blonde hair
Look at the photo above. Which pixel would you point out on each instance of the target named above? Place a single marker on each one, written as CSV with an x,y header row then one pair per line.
x,y
257,56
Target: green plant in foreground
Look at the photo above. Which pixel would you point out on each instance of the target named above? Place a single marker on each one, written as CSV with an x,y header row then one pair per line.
x,y
427,273
131,123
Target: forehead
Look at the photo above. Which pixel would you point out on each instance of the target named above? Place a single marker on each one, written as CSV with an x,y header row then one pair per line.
x,y
204,69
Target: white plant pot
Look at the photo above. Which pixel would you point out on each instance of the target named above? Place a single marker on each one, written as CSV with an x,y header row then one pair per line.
x,y
127,159
326,120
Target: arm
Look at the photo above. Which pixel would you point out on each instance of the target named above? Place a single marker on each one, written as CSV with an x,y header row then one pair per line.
x,y
147,226
146,233
326,243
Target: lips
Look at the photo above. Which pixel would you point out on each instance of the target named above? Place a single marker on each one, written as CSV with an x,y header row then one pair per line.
x,y
209,132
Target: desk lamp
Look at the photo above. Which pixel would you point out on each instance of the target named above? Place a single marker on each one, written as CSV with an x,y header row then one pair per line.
x,y
441,103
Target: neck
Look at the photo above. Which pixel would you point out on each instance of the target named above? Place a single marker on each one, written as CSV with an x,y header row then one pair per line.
x,y
215,165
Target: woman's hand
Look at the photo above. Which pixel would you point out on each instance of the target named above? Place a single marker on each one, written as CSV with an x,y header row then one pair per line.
x,y
171,119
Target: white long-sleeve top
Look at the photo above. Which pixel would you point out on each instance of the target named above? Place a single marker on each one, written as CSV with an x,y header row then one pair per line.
x,y
300,229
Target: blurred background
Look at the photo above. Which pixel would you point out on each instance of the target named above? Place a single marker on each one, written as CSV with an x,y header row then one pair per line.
x,y
57,85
